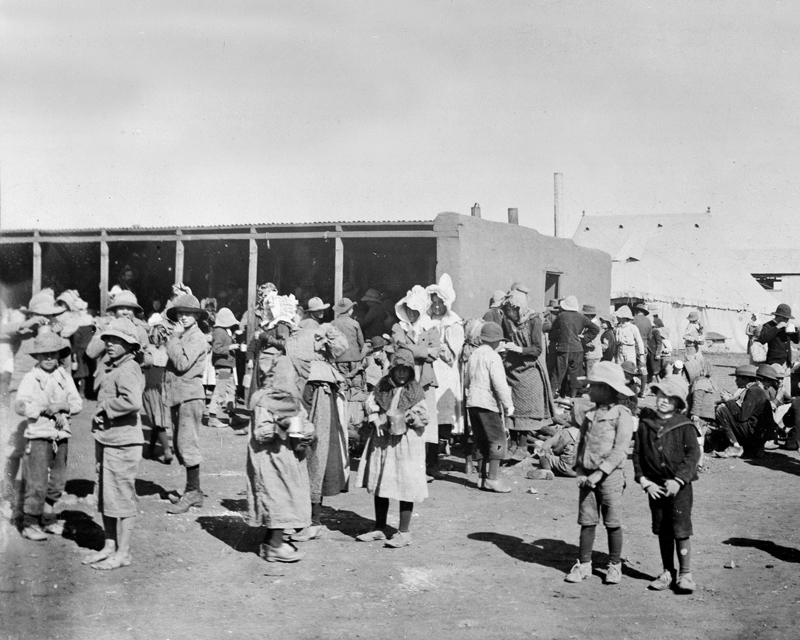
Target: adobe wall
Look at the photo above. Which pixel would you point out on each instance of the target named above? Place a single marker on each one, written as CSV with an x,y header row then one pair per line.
x,y
490,255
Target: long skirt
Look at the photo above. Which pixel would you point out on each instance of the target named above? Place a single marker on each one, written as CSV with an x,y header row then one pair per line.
x,y
277,486
531,395
154,398
449,395
432,428
329,459
394,466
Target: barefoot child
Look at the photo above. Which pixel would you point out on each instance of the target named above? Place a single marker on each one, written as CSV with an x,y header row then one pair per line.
x,y
605,437
117,429
47,397
393,465
665,458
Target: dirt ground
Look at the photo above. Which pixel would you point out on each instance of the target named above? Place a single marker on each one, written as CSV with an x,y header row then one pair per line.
x,y
481,566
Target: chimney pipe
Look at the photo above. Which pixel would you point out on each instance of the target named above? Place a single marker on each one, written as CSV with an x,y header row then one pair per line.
x,y
476,210
558,210
513,215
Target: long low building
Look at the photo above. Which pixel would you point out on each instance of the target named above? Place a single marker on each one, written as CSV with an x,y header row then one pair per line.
x,y
228,262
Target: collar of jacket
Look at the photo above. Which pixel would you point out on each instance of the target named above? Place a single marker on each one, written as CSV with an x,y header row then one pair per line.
x,y
42,377
115,364
662,427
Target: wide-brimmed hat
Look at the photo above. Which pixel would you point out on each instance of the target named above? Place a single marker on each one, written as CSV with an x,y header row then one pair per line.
x,y
606,317
349,290
641,306
693,316
629,368
497,298
624,313
746,371
519,286
50,342
552,304
124,299
768,371
316,304
611,374
43,304
377,342
124,329
674,387
780,370
491,332
343,306
653,308
783,310
225,319
186,303
570,303
372,295
589,310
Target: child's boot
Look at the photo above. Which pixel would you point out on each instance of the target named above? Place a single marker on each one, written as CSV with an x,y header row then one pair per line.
x,y
662,582
614,573
580,571
685,584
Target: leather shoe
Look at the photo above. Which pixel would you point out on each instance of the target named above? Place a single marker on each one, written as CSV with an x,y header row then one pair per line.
x,y
186,502
34,532
285,553
495,486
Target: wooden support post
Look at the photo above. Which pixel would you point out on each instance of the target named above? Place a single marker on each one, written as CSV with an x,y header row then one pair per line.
x,y
103,274
338,278
36,282
252,287
178,259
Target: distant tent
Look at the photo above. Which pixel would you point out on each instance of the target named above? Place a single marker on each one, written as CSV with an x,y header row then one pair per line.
x,y
679,262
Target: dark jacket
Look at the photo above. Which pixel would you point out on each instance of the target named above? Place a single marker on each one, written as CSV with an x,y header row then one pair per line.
x,y
611,350
528,335
572,331
779,343
221,356
665,449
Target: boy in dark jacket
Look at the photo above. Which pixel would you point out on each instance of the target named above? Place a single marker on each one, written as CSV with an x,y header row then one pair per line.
x,y
665,459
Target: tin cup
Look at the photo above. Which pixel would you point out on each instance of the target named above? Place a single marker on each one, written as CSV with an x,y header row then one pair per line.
x,y
397,422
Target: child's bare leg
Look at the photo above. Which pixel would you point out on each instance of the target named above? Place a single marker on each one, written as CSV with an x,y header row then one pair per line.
x,y
122,556
110,546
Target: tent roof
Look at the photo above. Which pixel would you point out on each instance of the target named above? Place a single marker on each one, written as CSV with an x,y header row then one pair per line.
x,y
675,258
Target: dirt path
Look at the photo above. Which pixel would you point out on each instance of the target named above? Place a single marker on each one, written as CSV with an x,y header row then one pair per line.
x,y
482,566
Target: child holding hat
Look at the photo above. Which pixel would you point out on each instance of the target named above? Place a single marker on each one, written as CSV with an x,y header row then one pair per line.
x,y
487,392
665,458
605,438
117,429
47,398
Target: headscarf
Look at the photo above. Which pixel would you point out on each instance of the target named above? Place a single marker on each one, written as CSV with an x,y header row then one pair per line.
x,y
418,300
412,393
444,289
519,300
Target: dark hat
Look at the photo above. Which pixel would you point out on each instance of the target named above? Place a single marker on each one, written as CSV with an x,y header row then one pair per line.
x,y
343,306
765,370
641,306
377,342
746,371
491,332
186,303
783,310
629,368
552,304
50,342
589,310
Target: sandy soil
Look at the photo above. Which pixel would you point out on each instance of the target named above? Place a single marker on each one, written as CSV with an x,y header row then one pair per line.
x,y
481,566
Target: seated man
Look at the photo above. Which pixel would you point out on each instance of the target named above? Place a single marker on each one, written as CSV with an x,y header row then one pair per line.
x,y
557,455
746,416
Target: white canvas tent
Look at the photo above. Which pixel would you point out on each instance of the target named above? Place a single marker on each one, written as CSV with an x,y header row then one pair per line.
x,y
679,262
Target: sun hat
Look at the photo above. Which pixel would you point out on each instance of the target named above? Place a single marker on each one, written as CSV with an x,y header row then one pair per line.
x,y
629,368
780,370
225,319
124,299
589,310
377,342
653,308
372,295
606,317
316,304
491,332
43,304
783,310
186,303
765,370
624,313
403,356
641,306
746,371
570,303
124,329
343,306
611,374
50,342
519,286
693,316
497,298
552,304
674,387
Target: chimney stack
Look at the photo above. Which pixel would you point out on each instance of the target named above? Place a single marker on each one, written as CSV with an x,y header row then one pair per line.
x,y
476,211
513,216
558,210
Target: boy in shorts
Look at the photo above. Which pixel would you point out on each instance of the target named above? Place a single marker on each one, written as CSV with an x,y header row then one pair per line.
x,y
665,457
605,438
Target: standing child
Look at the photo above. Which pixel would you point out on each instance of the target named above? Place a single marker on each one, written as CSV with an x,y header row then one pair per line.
x,y
393,465
154,366
605,437
47,397
223,359
487,390
665,457
117,430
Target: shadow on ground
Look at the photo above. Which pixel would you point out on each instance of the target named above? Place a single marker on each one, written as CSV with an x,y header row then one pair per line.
x,y
778,461
547,552
82,529
148,488
347,522
233,531
79,487
784,554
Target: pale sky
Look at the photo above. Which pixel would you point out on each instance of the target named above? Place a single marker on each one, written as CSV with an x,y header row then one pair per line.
x,y
186,113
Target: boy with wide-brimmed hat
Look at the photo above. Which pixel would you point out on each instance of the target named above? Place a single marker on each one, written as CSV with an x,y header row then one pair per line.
x,y
665,459
606,432
184,389
123,305
117,430
779,334
315,313
47,398
745,417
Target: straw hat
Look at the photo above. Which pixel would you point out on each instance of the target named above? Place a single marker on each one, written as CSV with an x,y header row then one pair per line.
x,y
343,306
186,303
611,374
316,304
746,371
372,295
50,342
589,310
624,313
125,299
783,310
491,332
124,329
674,387
225,319
570,303
43,304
